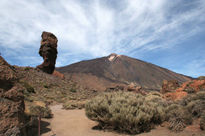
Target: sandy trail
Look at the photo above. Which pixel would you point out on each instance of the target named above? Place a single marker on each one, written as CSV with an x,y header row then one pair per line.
x,y
75,123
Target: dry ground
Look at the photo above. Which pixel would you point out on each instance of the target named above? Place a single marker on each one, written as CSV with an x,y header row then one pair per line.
x,y
75,123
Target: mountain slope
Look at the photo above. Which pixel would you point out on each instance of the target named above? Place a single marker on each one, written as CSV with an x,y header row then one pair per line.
x,y
119,69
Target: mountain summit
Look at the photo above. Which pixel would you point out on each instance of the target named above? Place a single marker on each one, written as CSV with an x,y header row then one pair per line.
x,y
115,69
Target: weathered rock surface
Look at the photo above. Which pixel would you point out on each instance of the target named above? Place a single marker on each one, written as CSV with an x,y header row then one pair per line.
x,y
169,86
48,51
58,74
11,102
131,88
173,91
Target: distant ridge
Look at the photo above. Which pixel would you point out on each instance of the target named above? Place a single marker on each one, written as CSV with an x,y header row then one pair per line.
x,y
114,69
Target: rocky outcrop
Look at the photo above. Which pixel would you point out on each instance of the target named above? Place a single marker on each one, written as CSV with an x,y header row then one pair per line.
x,y
130,88
169,86
11,102
173,91
193,86
135,88
48,51
58,74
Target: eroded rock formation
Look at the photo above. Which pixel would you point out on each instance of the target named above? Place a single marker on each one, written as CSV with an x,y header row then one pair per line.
x,y
11,102
169,86
48,51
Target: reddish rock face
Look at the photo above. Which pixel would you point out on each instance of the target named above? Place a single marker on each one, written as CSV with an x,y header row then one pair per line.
x,y
11,102
48,51
193,86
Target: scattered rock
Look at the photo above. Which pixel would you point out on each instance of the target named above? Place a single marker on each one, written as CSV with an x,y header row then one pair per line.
x,y
130,88
48,51
115,88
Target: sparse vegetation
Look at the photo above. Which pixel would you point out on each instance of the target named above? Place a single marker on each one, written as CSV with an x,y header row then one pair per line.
x,y
178,117
134,113
28,87
73,90
69,105
202,121
194,103
45,86
37,108
126,111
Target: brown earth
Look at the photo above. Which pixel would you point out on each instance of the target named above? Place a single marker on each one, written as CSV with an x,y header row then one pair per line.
x,y
75,123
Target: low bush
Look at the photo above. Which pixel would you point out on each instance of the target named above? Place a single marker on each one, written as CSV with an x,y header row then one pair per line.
x,y
178,117
193,97
196,107
202,121
74,105
37,108
44,112
28,87
194,103
126,111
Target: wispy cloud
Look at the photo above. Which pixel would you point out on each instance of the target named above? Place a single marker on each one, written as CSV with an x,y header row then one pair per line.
x,y
95,28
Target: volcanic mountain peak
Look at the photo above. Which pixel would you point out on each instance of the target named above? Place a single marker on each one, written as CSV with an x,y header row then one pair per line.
x,y
104,72
113,56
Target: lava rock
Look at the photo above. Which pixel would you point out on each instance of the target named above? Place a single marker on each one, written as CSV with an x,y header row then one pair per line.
x,y
48,51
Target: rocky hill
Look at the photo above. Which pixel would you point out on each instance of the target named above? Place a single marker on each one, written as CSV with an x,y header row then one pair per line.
x,y
116,69
23,89
11,101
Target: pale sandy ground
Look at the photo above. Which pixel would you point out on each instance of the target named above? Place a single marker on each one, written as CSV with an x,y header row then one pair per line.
x,y
75,123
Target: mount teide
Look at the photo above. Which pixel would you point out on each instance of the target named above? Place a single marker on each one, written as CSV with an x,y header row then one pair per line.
x,y
100,73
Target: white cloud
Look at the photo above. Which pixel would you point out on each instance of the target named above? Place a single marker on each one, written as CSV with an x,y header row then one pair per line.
x,y
96,28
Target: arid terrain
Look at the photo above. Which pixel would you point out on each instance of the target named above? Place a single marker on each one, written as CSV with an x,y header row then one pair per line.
x,y
77,124
65,104
102,68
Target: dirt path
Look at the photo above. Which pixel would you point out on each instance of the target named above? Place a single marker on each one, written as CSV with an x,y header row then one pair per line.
x,y
75,123
72,123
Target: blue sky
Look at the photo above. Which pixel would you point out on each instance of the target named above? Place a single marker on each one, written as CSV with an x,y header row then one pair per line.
x,y
167,33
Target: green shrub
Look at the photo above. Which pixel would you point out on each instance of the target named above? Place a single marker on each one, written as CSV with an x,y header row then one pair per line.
x,y
196,107
73,90
73,105
178,117
194,103
27,68
28,87
192,97
44,112
189,90
202,121
45,86
126,111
